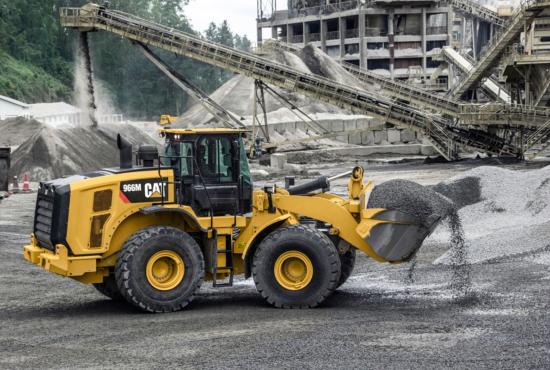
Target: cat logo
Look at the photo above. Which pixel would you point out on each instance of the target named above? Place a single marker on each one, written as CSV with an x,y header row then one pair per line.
x,y
154,190
144,191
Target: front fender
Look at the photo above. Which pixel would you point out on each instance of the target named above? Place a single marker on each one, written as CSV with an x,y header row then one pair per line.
x,y
259,227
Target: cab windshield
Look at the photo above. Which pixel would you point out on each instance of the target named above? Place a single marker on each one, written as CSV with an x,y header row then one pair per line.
x,y
245,170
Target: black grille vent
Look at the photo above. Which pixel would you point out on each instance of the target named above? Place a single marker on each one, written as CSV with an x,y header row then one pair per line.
x,y
43,218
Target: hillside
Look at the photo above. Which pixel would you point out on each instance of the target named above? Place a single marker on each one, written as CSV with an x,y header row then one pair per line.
x,y
29,83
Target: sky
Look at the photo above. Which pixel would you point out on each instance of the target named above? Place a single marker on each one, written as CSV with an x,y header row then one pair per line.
x,y
240,14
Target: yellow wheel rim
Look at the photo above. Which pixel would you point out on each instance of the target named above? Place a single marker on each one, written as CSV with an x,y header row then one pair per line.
x,y
293,270
165,270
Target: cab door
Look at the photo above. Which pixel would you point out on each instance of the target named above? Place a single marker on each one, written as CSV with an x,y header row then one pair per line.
x,y
216,177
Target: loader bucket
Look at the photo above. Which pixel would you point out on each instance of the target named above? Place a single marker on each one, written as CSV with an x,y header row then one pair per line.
x,y
396,236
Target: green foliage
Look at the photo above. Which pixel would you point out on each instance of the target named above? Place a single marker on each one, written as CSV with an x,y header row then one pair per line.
x,y
30,32
29,83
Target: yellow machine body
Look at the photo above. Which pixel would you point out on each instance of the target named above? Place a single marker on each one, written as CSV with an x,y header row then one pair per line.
x,y
83,222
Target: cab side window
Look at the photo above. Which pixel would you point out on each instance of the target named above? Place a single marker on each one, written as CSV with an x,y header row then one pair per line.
x,y
215,159
179,157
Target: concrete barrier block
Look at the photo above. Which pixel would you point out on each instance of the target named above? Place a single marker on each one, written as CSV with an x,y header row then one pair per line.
x,y
327,125
408,136
425,141
428,150
281,127
350,124
342,138
362,123
367,138
278,160
394,136
300,126
337,126
354,138
380,136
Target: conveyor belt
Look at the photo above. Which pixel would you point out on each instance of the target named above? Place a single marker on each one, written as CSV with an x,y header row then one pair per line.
x,y
510,33
444,137
490,85
478,11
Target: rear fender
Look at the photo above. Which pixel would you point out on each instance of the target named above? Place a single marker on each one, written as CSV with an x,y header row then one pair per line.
x,y
141,219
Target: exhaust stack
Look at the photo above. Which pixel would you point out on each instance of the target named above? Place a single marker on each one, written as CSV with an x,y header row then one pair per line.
x,y
125,151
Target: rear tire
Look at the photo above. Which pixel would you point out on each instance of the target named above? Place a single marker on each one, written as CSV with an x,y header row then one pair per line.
x,y
109,288
159,269
296,267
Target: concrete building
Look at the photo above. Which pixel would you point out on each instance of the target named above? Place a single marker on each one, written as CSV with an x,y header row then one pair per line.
x,y
393,38
54,114
12,108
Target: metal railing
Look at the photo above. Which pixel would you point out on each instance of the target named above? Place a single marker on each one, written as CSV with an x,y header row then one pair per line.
x,y
312,37
496,46
436,30
333,35
296,39
323,9
477,10
375,32
351,34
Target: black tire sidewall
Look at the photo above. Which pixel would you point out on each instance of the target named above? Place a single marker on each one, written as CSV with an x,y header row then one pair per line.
x,y
347,260
293,240
165,239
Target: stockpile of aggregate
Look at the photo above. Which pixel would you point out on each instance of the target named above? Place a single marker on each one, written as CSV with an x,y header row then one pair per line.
x,y
321,64
15,131
55,152
503,212
237,96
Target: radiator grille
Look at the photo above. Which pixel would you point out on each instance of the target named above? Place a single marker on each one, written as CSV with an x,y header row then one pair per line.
x,y
44,218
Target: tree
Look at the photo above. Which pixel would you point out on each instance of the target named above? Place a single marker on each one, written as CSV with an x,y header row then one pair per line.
x,y
30,32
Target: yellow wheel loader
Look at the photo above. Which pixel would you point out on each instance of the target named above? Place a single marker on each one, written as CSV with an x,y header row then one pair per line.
x,y
152,230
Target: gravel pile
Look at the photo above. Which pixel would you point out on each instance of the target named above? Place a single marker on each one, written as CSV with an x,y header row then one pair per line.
x,y
55,152
237,94
503,212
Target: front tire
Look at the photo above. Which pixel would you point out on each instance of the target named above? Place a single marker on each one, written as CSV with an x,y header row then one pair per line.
x,y
347,259
109,288
159,269
296,267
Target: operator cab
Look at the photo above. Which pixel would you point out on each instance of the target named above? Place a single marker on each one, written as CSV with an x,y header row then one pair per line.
x,y
211,170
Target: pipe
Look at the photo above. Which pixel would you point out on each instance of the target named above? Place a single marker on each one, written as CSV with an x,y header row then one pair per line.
x,y
321,183
125,152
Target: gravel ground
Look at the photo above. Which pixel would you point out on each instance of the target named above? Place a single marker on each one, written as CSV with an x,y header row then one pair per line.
x,y
381,318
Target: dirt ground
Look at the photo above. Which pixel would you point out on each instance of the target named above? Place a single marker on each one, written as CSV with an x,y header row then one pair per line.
x,y
381,318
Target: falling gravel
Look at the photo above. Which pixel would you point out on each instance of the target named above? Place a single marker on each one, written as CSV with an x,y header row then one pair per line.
x,y
84,80
461,282
429,207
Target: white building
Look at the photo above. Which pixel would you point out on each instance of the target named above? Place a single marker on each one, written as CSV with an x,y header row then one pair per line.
x,y
54,114
12,108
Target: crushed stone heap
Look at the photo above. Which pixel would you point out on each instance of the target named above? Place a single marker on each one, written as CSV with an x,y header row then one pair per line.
x,y
504,212
237,94
49,153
